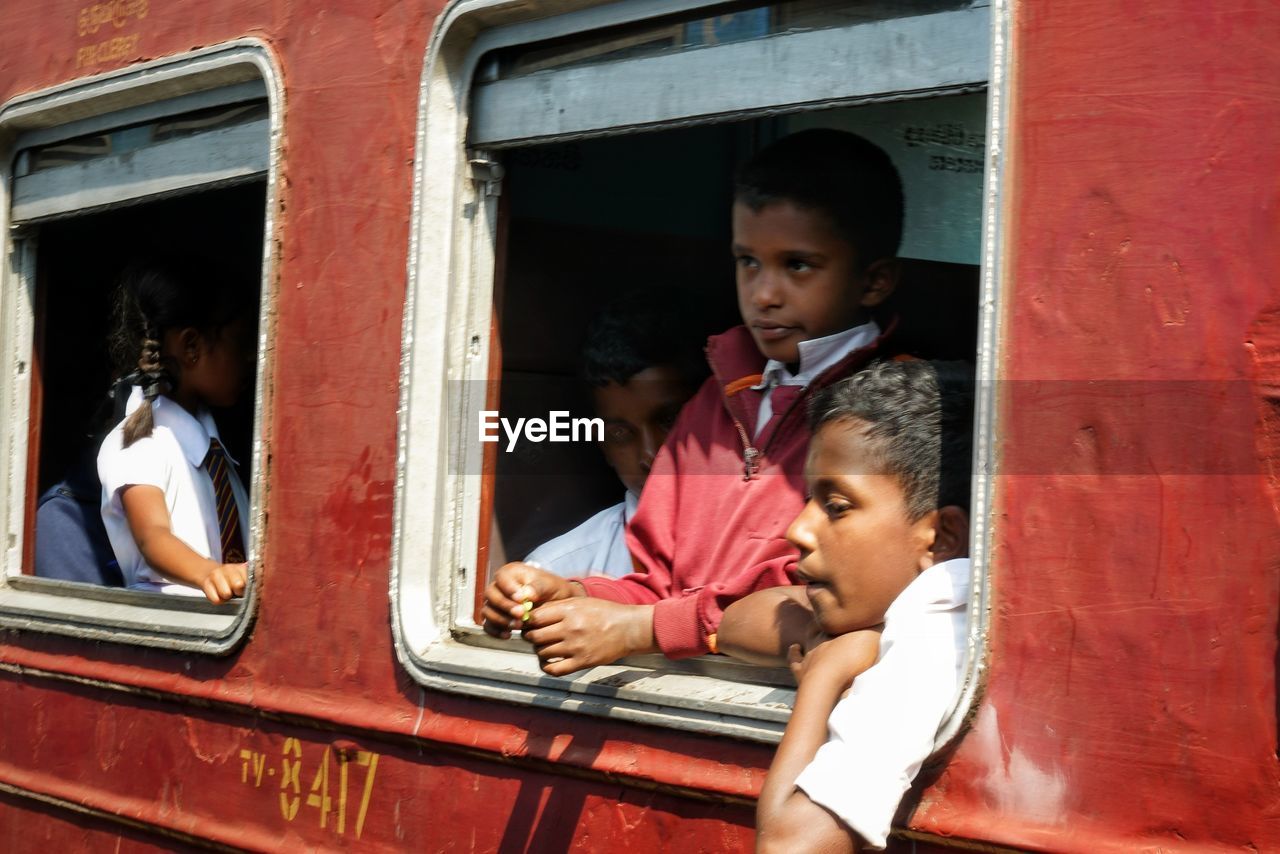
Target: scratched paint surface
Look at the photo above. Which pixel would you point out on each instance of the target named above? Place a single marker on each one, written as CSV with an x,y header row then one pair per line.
x,y
25,826
1134,622
259,785
1131,699
321,645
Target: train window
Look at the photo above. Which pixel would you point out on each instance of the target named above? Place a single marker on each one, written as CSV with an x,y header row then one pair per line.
x,y
173,159
588,154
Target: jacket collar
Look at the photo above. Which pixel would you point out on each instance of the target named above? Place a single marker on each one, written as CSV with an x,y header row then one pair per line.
x,y
738,365
818,354
192,432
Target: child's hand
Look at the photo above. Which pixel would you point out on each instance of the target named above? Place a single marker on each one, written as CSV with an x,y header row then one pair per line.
x,y
583,632
225,582
834,663
515,585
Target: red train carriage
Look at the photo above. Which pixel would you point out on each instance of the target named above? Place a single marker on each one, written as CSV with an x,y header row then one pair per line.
x,y
434,199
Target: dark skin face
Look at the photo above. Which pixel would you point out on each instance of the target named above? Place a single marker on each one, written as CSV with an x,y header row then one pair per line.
x,y
637,415
799,280
213,368
859,547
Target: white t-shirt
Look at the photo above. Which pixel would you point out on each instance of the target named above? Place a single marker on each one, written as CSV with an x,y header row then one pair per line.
x,y
816,355
170,458
597,546
882,731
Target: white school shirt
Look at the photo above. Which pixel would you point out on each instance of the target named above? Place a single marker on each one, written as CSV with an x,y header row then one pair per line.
x,y
598,545
171,458
881,732
816,355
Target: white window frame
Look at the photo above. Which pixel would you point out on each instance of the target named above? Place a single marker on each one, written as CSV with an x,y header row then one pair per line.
x,y
139,93
445,355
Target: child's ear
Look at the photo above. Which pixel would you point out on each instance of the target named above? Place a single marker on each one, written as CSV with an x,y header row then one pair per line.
x,y
881,278
951,534
190,345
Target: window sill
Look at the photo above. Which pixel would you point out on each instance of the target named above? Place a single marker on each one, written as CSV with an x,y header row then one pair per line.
x,y
710,694
122,616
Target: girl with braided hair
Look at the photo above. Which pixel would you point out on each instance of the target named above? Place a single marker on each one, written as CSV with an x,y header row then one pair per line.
x,y
172,503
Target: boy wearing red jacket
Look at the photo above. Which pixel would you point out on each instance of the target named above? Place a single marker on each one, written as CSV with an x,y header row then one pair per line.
x,y
817,218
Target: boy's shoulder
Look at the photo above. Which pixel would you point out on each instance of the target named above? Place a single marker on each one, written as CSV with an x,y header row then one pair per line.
x,y
940,588
150,459
578,549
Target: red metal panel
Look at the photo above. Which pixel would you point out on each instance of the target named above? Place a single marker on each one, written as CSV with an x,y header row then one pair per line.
x,y
1131,700
321,647
256,784
29,825
351,72
1134,625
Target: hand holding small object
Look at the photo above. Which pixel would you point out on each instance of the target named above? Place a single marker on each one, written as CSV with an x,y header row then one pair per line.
x,y
515,590
582,632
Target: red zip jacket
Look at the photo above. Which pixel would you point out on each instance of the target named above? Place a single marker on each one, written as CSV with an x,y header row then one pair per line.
x,y
714,513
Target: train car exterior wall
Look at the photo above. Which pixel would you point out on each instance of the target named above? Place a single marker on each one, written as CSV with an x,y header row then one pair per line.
x,y
1130,692
311,734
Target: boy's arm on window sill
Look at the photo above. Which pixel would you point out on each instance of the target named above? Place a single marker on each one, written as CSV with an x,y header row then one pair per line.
x,y
761,627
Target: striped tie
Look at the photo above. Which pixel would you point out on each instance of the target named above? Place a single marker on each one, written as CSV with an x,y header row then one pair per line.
x,y
219,468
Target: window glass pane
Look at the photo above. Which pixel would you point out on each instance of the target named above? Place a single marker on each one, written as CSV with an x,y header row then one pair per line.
x,y
214,118
213,146
126,139
703,78
66,153
734,24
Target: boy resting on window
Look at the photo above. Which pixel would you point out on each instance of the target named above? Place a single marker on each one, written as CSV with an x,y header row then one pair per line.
x,y
817,218
642,360
883,546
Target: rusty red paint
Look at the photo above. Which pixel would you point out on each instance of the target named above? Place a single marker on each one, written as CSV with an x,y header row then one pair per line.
x,y
321,650
237,780
1133,629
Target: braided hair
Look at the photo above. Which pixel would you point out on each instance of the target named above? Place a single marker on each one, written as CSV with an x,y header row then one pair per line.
x,y
153,298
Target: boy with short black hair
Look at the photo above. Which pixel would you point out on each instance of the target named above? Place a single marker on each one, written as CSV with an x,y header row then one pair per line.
x,y
883,546
642,360
817,218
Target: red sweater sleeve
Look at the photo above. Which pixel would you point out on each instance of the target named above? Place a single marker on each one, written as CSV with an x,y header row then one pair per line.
x,y
692,558
651,539
681,625
682,621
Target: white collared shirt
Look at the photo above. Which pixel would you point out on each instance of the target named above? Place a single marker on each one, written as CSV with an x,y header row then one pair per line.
x,y
171,458
816,355
883,729
597,546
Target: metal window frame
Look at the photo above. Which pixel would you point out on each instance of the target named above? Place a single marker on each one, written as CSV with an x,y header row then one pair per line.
x,y
923,55
141,92
446,340
219,157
